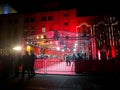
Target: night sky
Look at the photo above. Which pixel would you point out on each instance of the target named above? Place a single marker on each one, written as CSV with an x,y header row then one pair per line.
x,y
96,7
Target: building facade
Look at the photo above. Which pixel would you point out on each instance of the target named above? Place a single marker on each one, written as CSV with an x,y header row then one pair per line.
x,y
104,30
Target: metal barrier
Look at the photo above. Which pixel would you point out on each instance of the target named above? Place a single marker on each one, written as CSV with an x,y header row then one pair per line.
x,y
53,65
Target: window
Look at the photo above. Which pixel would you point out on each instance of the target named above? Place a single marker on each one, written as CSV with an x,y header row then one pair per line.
x,y
32,19
50,18
66,15
43,29
25,33
66,24
44,18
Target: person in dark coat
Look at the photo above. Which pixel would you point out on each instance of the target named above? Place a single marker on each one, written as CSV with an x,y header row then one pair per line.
x,y
32,61
17,63
68,60
26,64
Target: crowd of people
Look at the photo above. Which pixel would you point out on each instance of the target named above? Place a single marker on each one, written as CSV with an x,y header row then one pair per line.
x,y
28,64
11,63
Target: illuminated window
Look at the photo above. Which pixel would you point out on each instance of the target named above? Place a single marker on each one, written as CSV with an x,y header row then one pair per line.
x,y
43,29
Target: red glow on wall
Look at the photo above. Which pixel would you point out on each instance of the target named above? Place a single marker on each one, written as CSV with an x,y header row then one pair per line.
x,y
113,52
36,50
61,20
107,54
64,20
99,56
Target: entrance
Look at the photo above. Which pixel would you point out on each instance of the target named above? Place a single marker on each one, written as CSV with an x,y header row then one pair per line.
x,y
52,47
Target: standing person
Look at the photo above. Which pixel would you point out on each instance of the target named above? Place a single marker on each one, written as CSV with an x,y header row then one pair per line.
x,y
68,60
32,61
17,63
26,65
73,57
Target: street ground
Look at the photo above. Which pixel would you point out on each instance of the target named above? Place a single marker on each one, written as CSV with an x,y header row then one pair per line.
x,y
63,82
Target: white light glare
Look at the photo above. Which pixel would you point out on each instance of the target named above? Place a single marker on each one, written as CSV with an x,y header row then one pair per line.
x,y
62,50
74,49
58,48
17,48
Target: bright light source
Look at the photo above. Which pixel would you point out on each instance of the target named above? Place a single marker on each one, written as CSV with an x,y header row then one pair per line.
x,y
62,50
37,37
17,48
27,42
58,48
42,37
74,49
28,48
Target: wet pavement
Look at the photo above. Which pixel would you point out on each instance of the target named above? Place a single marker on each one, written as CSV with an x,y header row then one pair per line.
x,y
63,82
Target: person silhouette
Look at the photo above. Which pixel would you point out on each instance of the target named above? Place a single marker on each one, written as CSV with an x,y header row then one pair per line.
x,y
17,63
32,61
25,64
68,60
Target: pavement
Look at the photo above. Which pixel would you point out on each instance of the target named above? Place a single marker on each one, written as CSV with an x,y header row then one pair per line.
x,y
83,81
